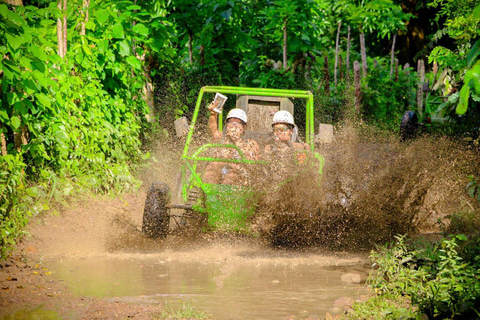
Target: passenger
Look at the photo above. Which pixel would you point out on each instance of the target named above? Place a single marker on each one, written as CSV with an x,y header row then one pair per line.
x,y
230,173
284,134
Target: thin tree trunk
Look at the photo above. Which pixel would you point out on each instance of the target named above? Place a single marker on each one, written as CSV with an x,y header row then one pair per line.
x,y
392,55
60,32
340,64
358,91
190,46
337,46
348,54
148,89
86,5
3,141
20,138
421,80
364,54
65,29
285,44
326,75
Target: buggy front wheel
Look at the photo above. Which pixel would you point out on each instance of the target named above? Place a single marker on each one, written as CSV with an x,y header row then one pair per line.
x,y
156,215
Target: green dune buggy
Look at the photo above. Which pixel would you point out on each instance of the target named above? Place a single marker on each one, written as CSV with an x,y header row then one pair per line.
x,y
219,206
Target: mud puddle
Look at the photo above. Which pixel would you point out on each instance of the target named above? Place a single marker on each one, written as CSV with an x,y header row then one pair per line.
x,y
236,285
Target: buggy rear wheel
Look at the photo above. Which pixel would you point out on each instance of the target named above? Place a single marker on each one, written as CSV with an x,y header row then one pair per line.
x,y
156,215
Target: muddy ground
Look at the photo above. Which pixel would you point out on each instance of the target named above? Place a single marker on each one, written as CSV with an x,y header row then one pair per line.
x,y
27,285
371,191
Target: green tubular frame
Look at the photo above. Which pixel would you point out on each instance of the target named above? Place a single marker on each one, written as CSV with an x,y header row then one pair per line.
x,y
309,126
190,161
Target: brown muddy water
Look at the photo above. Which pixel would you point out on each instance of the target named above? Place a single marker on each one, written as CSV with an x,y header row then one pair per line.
x,y
243,283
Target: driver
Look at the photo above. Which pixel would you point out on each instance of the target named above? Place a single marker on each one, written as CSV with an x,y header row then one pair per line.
x,y
236,124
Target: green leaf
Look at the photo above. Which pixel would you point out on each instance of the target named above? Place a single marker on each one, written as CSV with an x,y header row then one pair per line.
x,y
141,29
30,86
117,31
14,42
40,66
476,12
134,7
134,62
32,192
43,99
3,115
90,25
102,45
463,104
123,48
15,121
473,53
38,52
102,16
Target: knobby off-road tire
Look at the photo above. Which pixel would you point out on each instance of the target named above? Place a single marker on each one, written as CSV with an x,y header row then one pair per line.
x,y
156,215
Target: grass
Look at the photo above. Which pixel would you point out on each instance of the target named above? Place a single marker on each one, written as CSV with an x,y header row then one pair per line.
x,y
186,312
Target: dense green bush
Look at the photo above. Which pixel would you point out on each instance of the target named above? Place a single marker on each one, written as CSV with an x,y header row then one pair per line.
x,y
438,279
80,116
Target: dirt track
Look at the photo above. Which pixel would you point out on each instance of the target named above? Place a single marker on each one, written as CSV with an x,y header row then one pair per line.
x,y
27,283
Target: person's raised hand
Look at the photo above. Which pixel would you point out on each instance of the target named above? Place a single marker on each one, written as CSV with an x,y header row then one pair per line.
x,y
212,106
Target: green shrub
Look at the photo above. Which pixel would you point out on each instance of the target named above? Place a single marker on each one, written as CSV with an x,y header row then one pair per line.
x,y
440,279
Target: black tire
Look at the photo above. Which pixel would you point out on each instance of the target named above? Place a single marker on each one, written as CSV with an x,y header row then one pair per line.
x,y
156,215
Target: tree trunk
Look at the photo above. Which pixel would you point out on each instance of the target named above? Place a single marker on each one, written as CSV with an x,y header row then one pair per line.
x,y
348,54
3,141
148,90
340,64
60,32
285,44
65,28
337,46
392,55
421,80
326,75
364,54
358,91
86,5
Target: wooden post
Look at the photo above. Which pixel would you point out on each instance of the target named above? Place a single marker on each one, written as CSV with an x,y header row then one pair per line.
x,y
392,55
326,75
420,81
358,91
285,44
364,54
337,45
348,54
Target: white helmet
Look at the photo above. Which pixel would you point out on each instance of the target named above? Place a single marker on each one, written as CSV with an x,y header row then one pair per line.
x,y
237,113
283,116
